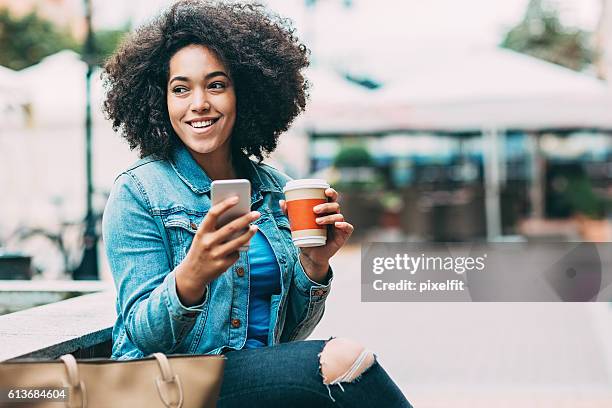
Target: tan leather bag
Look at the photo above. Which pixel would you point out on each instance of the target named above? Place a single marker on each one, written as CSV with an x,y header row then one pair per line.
x,y
180,381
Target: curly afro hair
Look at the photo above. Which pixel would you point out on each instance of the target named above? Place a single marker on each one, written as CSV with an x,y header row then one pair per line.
x,y
259,49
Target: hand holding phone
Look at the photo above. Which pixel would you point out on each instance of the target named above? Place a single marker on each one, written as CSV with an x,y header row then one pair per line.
x,y
213,249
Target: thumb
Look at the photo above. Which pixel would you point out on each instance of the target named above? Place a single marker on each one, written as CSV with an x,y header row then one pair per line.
x,y
283,206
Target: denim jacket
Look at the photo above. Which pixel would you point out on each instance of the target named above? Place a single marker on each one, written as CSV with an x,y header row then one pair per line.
x,y
152,214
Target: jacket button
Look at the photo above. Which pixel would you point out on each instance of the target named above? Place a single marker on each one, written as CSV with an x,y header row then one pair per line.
x,y
193,225
240,271
235,323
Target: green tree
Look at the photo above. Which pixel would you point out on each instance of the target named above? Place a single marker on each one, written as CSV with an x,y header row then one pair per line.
x,y
358,171
542,35
106,41
353,156
27,40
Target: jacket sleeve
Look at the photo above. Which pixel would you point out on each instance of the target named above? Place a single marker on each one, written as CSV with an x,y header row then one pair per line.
x,y
306,298
154,318
305,304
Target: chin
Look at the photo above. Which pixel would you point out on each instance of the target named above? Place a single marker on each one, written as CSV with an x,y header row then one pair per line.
x,y
202,146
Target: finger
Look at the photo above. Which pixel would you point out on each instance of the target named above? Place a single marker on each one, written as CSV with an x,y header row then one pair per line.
x,y
345,227
233,258
283,206
224,233
330,219
210,221
229,260
233,245
327,208
332,194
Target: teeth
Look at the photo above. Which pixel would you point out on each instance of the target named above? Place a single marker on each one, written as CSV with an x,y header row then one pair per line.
x,y
202,124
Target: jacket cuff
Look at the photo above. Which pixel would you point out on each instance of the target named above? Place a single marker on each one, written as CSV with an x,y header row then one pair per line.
x,y
307,286
177,309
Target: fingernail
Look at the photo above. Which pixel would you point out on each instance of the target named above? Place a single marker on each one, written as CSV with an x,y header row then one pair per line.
x,y
319,220
233,200
317,209
255,214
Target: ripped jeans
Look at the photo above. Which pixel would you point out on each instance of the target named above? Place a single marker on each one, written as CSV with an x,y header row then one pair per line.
x,y
289,375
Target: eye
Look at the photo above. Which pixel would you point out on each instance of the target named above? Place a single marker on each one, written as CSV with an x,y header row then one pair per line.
x,y
179,90
217,85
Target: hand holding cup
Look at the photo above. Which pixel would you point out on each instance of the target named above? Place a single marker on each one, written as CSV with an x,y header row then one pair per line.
x,y
325,215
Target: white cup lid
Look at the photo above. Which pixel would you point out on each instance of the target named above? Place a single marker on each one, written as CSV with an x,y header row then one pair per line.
x,y
305,183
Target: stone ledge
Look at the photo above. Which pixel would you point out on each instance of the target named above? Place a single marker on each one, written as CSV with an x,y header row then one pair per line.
x,y
54,286
46,332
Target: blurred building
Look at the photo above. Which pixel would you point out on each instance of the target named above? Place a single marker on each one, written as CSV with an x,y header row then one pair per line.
x,y
604,41
469,145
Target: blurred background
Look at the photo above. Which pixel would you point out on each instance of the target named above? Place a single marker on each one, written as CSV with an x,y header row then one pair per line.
x,y
439,121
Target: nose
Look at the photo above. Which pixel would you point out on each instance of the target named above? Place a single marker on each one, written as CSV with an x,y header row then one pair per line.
x,y
199,102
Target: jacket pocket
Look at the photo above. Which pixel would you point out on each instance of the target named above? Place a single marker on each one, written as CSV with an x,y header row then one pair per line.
x,y
180,227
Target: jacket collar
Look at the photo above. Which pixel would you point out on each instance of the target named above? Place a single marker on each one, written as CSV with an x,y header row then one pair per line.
x,y
198,181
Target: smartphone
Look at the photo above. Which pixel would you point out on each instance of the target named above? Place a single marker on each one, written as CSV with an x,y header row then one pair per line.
x,y
222,189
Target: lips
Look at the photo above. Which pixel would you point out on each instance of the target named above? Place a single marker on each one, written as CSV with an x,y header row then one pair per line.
x,y
202,123
200,126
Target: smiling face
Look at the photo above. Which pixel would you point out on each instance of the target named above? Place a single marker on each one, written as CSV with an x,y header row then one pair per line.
x,y
201,101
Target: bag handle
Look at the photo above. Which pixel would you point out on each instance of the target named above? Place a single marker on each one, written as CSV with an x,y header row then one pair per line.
x,y
168,379
75,384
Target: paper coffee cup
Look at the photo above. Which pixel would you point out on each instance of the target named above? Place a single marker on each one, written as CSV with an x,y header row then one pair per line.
x,y
301,197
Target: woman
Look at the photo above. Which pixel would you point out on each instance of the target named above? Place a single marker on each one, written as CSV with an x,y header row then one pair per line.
x,y
198,91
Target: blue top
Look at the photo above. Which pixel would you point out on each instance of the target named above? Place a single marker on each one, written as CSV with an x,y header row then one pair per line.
x,y
264,282
151,218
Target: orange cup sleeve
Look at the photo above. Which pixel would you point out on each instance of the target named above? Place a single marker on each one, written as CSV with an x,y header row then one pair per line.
x,y
301,216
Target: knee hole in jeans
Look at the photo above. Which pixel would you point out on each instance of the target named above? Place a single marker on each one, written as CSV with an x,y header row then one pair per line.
x,y
344,360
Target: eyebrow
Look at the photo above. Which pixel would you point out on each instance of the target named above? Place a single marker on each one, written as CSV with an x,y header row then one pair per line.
x,y
207,77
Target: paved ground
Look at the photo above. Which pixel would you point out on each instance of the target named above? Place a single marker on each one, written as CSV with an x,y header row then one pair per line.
x,y
479,354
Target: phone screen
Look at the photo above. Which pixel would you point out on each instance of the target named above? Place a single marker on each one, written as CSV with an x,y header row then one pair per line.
x,y
222,189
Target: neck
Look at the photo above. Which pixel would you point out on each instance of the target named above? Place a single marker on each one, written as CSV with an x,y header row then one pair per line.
x,y
217,165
